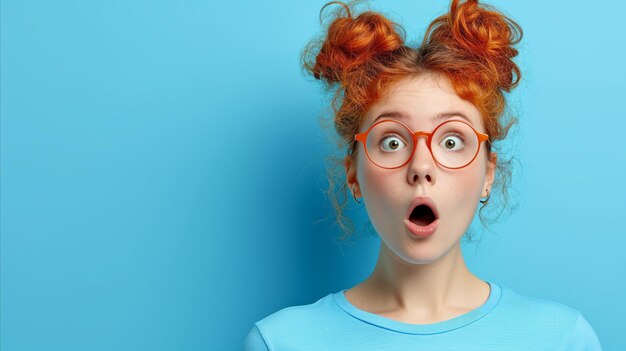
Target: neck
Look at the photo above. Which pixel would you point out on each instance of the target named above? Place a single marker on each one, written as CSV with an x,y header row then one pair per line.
x,y
424,288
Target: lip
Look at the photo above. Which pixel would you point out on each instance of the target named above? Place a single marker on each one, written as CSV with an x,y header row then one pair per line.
x,y
422,231
422,200
417,230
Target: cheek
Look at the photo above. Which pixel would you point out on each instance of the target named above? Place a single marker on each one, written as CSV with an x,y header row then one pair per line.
x,y
467,184
373,181
459,195
381,190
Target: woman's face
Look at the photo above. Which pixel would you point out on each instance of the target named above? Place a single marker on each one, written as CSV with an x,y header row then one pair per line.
x,y
388,193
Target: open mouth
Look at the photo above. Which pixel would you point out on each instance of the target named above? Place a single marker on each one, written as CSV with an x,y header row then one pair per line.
x,y
422,215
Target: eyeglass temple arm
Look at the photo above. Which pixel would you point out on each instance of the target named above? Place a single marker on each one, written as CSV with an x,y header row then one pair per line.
x,y
482,137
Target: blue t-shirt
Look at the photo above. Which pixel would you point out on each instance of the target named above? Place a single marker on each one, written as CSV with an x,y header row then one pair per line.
x,y
506,321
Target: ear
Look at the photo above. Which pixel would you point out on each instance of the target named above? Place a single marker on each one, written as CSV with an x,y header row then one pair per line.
x,y
491,172
351,176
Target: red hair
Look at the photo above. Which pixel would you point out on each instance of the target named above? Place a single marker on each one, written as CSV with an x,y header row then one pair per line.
x,y
363,56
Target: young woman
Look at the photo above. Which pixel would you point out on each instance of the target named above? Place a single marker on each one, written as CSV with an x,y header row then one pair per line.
x,y
420,124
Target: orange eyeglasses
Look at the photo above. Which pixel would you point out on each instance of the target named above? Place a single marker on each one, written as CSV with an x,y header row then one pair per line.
x,y
391,144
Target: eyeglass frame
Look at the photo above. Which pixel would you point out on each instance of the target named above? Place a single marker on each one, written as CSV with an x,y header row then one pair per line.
x,y
362,137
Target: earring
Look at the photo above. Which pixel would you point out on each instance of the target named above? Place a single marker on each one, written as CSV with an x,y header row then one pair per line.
x,y
357,201
486,199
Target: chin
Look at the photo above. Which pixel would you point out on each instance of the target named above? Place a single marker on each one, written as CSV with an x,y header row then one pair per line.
x,y
422,251
415,253
415,258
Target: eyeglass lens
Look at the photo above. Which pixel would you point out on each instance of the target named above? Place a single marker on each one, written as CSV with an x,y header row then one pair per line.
x,y
390,144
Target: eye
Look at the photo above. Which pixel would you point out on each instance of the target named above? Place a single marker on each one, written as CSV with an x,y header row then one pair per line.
x,y
392,143
453,143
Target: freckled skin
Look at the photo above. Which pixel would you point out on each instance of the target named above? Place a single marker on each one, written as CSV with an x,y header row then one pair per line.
x,y
406,262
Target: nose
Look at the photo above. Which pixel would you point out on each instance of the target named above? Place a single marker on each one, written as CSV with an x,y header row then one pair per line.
x,y
422,164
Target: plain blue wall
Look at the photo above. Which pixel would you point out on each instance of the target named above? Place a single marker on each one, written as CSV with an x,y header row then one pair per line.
x,y
163,168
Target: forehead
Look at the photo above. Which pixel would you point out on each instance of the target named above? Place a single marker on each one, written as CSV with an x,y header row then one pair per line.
x,y
422,98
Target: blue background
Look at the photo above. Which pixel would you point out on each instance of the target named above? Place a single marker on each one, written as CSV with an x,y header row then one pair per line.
x,y
163,170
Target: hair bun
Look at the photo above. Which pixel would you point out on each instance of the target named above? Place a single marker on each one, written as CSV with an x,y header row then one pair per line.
x,y
351,42
484,33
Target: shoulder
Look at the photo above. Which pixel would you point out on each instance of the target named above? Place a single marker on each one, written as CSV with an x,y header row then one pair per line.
x,y
293,318
254,340
292,323
563,324
535,307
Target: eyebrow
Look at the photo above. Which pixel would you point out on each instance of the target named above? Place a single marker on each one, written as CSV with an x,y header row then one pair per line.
x,y
440,116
